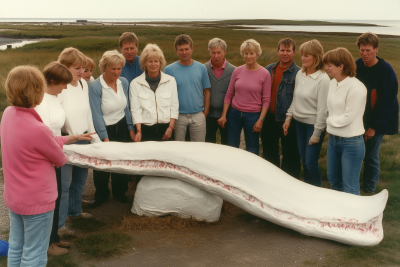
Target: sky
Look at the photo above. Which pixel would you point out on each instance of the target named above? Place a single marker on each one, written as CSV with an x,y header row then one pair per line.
x,y
203,9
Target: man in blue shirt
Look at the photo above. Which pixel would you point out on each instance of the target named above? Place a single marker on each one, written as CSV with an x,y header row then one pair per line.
x,y
193,91
129,45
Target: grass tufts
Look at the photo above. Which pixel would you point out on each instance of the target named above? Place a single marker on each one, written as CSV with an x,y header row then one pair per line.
x,y
143,223
103,245
87,225
65,260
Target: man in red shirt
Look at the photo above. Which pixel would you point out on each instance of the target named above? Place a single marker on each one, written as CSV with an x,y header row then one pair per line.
x,y
283,75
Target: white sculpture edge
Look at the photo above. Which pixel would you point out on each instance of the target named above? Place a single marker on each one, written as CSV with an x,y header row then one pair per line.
x,y
248,182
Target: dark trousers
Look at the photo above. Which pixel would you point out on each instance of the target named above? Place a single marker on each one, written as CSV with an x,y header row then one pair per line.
x,y
212,127
155,132
54,237
119,182
271,132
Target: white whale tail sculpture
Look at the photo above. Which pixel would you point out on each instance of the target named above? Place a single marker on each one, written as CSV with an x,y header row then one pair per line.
x,y
248,182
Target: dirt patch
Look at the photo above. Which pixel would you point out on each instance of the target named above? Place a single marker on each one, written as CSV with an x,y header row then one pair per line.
x,y
237,239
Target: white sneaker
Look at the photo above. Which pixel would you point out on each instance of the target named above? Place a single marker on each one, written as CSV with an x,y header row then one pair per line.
x,y
64,231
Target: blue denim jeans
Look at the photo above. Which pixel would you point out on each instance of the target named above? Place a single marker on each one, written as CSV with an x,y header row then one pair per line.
x,y
246,120
73,180
309,154
29,239
371,163
345,156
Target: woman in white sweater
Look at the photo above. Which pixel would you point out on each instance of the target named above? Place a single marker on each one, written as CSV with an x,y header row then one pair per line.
x,y
346,104
309,109
78,120
52,114
153,98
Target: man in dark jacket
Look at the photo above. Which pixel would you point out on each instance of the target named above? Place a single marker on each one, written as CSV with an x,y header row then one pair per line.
x,y
382,109
283,74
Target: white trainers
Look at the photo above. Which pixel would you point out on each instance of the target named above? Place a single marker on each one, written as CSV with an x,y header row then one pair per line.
x,y
64,231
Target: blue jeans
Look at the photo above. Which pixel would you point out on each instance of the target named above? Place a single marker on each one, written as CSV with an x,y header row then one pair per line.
x,y
29,239
73,180
345,156
371,163
246,120
309,154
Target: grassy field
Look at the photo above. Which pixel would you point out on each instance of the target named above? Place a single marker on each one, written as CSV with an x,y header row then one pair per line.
x,y
95,40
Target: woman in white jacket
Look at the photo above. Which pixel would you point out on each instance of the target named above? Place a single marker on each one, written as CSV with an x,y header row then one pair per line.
x,y
346,104
153,98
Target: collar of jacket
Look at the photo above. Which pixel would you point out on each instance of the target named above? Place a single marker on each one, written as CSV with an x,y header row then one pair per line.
x,y
142,79
291,67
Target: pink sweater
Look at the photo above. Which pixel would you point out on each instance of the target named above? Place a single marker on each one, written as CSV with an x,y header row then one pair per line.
x,y
249,91
29,151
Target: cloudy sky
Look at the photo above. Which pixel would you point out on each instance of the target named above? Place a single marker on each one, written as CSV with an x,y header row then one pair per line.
x,y
203,9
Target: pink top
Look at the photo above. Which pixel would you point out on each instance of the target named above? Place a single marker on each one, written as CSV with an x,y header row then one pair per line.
x,y
249,91
29,151
218,72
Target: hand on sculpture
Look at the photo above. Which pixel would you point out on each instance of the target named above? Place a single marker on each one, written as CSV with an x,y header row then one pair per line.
x,y
285,127
138,136
258,126
85,136
313,140
222,121
106,140
168,134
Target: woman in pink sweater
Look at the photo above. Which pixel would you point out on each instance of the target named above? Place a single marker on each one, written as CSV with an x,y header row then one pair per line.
x,y
249,93
29,152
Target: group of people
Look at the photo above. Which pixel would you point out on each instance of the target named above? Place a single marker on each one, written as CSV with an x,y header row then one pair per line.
x,y
141,99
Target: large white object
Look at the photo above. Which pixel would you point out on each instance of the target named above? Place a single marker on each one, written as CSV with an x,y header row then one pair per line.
x,y
158,196
247,181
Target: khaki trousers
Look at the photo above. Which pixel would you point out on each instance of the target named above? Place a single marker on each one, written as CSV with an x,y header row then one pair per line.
x,y
197,127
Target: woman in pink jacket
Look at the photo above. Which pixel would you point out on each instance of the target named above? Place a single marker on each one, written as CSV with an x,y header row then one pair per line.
x,y
29,151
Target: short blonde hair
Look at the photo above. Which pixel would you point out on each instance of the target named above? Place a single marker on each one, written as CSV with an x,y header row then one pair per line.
x,y
109,58
57,73
90,64
315,49
128,37
71,56
251,45
341,56
213,43
25,86
151,51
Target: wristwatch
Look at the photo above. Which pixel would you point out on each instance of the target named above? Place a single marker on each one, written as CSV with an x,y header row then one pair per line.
x,y
263,119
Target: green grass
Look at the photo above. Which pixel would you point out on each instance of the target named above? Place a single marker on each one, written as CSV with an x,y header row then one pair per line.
x,y
65,260
103,245
87,225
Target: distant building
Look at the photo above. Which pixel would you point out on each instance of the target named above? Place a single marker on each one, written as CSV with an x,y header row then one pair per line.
x,y
81,21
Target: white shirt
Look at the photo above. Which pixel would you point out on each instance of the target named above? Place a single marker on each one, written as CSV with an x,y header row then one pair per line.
x,y
51,113
309,100
346,105
78,115
113,103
